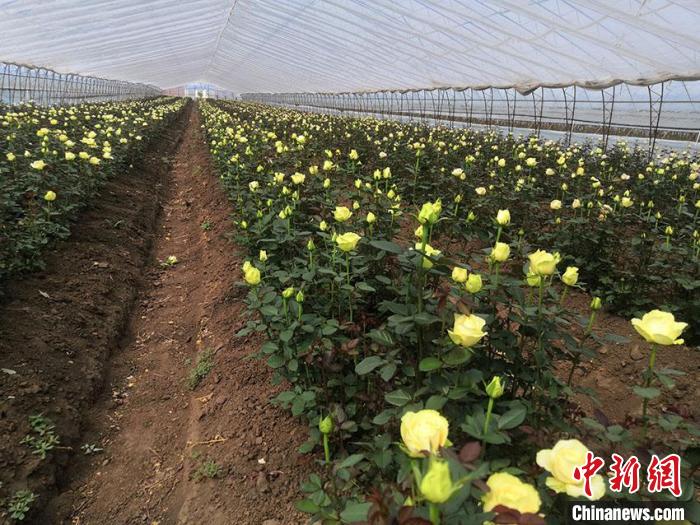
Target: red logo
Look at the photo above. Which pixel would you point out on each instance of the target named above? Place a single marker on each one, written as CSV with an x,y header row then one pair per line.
x,y
587,471
665,474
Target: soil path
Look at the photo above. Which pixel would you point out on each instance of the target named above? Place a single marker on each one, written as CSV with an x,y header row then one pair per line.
x,y
218,453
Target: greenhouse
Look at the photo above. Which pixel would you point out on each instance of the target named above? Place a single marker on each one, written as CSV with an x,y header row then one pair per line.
x,y
417,262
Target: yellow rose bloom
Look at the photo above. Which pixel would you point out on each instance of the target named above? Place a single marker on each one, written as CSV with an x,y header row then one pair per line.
x,y
500,252
423,432
298,178
561,461
38,165
430,252
430,212
436,486
50,196
459,275
341,214
467,330
570,277
348,241
542,263
503,217
70,155
474,283
251,275
507,490
660,328
371,218
555,204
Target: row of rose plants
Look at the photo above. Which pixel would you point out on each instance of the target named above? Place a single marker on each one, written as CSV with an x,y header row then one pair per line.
x,y
54,160
431,378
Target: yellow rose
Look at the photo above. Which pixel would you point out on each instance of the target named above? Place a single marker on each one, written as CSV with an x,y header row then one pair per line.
x,y
436,486
507,490
503,217
94,161
570,277
495,388
555,204
354,155
298,178
533,280
251,275
50,196
561,461
430,212
430,252
342,214
423,432
474,283
70,155
371,218
660,328
467,330
459,275
542,263
262,256
348,241
500,252
38,165
10,156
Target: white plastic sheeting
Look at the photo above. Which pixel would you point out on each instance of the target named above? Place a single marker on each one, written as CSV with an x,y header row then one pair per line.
x,y
358,45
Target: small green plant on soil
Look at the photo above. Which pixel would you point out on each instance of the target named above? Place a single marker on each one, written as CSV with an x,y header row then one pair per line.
x,y
90,449
209,469
206,225
205,363
42,437
20,504
169,262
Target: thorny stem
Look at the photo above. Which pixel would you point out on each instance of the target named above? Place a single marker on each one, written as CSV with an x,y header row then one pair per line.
x,y
489,409
326,448
434,514
647,383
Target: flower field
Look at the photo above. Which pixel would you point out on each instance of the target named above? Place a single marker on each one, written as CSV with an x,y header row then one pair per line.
x,y
55,160
420,292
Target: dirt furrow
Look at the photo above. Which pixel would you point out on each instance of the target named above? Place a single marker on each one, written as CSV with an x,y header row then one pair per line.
x,y
185,421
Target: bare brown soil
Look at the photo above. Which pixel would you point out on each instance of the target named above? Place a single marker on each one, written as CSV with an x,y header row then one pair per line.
x,y
158,433
59,326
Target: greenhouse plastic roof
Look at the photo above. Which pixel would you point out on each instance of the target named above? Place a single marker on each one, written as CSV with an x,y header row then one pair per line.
x,y
358,45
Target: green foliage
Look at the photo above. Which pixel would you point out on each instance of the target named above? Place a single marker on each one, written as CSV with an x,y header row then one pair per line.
x,y
20,504
42,438
53,163
371,336
205,364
